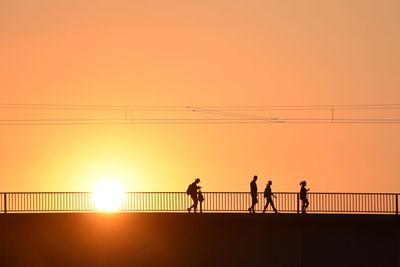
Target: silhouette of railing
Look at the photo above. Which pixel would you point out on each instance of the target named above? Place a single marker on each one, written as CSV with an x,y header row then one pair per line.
x,y
286,202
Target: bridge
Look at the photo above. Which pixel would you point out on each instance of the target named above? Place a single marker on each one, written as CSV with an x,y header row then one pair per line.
x,y
47,229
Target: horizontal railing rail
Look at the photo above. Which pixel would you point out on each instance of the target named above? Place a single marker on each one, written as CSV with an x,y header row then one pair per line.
x,y
285,202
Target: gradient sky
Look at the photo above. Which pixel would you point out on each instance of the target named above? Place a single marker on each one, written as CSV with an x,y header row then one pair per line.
x,y
188,53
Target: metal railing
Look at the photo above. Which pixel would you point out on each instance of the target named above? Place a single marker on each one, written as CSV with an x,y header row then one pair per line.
x,y
285,202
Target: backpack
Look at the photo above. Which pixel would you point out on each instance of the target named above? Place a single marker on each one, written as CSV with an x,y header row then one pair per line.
x,y
267,192
192,189
201,197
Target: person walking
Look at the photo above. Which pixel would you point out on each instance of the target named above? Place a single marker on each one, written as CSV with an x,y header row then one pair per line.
x,y
253,193
192,191
268,195
303,196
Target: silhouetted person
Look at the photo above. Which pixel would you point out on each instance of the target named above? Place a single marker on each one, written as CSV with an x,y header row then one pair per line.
x,y
268,195
201,199
192,191
253,193
303,196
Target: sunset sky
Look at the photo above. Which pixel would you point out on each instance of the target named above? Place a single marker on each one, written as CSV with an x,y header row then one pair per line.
x,y
199,53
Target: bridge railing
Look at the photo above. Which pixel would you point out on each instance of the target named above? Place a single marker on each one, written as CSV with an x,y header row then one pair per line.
x,y
353,203
285,202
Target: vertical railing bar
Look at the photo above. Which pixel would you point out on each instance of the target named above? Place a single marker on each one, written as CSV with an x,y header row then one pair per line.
x,y
358,202
357,209
365,202
388,204
336,197
139,201
146,202
231,202
334,202
379,203
349,202
143,202
215,202
219,202
169,202
369,202
150,203
331,198
372,202
237,207
321,202
5,203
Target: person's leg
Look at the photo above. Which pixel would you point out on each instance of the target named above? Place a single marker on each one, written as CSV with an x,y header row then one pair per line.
x,y
306,204
266,205
255,201
249,209
195,205
273,206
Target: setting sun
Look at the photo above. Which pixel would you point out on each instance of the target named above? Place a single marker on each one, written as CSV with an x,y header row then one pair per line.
x,y
108,195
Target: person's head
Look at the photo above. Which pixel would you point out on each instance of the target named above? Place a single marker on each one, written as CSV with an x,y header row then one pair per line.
x,y
197,180
303,183
269,182
255,178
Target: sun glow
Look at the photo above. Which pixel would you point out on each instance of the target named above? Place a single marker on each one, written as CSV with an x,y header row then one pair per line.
x,y
108,195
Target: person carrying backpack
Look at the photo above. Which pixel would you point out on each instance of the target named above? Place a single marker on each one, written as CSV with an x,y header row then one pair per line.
x,y
192,192
268,195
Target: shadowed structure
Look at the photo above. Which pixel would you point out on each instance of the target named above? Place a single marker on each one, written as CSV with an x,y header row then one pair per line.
x,y
170,239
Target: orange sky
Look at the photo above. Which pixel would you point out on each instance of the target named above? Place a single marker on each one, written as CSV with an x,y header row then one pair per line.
x,y
190,53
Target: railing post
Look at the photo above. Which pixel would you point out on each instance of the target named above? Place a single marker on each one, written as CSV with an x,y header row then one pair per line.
x,y
5,203
397,203
298,202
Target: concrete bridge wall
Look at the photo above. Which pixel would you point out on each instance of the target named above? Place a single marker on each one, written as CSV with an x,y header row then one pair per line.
x,y
163,239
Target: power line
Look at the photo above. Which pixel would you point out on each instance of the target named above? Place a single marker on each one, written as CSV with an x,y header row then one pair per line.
x,y
27,114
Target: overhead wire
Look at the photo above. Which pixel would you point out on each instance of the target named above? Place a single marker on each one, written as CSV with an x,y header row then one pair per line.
x,y
174,114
